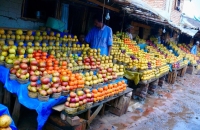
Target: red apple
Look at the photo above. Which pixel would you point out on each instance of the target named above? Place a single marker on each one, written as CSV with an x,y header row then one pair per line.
x,y
84,101
34,68
55,85
88,95
109,70
86,90
42,64
84,96
93,64
64,88
80,103
33,78
64,83
33,62
54,90
67,104
42,69
87,60
104,75
80,98
105,79
72,94
32,73
33,84
59,89
72,100
45,80
23,66
88,99
87,63
77,99
13,71
16,62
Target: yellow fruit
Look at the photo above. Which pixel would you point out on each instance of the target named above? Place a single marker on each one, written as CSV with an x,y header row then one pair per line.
x,y
29,33
2,31
5,121
19,32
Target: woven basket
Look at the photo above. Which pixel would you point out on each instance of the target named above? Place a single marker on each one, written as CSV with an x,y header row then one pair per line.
x,y
56,95
22,81
12,76
43,98
8,65
65,93
32,94
82,107
89,104
69,110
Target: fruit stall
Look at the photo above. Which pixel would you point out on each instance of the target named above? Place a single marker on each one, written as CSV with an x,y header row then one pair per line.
x,y
46,69
6,122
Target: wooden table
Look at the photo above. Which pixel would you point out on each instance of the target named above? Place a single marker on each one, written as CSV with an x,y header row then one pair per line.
x,y
100,107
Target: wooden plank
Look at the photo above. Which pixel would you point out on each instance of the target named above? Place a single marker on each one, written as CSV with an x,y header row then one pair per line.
x,y
6,99
140,25
16,111
106,6
59,108
94,114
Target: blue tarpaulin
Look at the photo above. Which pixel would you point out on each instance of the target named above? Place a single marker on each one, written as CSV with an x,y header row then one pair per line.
x,y
3,111
43,109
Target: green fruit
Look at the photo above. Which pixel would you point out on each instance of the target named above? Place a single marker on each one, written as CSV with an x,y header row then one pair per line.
x,y
9,61
12,51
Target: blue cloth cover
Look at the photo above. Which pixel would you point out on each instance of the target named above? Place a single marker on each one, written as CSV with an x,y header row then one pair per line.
x,y
4,110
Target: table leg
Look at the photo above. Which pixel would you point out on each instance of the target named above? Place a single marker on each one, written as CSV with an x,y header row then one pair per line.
x,y
94,114
102,110
16,111
6,99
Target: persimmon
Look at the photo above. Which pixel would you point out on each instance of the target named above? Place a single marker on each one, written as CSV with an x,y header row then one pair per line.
x,y
114,85
64,67
100,89
75,82
63,73
105,88
94,91
81,82
119,83
80,85
71,83
72,78
110,86
64,63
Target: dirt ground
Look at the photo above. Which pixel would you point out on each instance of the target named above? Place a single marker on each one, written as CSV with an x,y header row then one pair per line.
x,y
173,107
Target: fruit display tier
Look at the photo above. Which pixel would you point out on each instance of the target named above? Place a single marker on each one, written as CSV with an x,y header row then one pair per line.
x,y
43,109
98,104
5,119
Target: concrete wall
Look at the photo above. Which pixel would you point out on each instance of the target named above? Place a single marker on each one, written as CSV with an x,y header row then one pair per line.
x,y
161,4
10,15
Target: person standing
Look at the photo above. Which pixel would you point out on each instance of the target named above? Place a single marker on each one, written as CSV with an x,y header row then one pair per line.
x,y
129,31
100,36
194,48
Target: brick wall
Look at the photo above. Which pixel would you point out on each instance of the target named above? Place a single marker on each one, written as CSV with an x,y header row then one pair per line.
x,y
176,15
10,13
161,4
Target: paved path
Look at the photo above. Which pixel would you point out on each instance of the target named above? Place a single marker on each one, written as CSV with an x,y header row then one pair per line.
x,y
174,107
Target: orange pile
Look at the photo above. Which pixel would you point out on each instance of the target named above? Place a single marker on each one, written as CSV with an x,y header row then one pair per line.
x,y
108,91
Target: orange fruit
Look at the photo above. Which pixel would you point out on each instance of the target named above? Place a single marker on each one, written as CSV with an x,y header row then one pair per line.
x,y
94,91
100,89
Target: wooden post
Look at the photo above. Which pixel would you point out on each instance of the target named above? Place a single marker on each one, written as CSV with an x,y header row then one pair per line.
x,y
94,114
16,111
102,110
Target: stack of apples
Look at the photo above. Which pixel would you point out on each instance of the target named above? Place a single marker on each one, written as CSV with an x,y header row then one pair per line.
x,y
32,88
33,69
107,73
56,85
15,67
12,54
42,66
64,82
88,78
89,95
72,101
90,62
22,72
44,88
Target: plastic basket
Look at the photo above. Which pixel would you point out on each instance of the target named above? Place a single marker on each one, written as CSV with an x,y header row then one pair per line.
x,y
32,94
43,98
8,65
12,76
56,95
22,81
65,93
